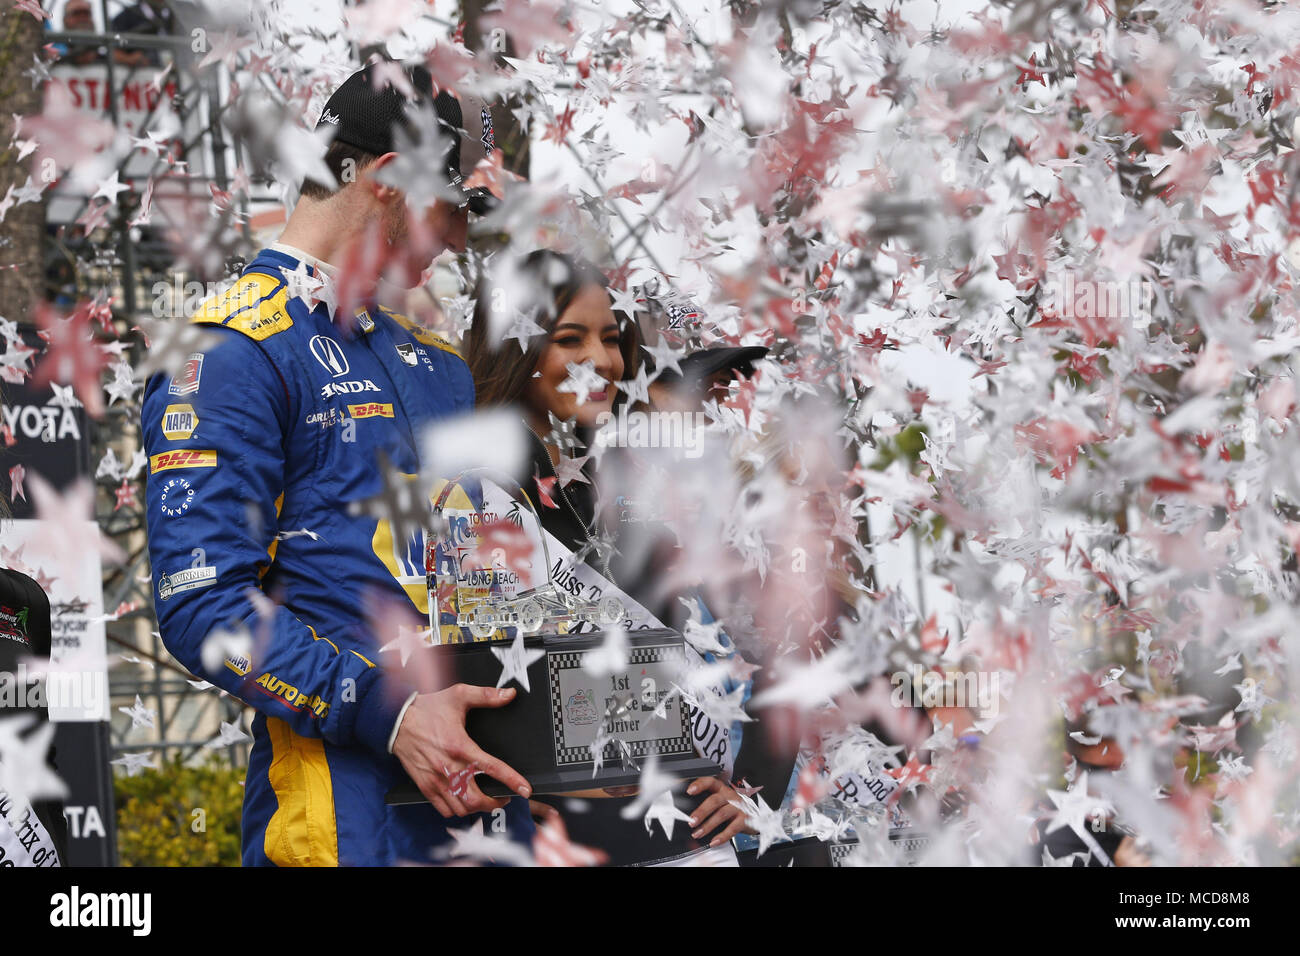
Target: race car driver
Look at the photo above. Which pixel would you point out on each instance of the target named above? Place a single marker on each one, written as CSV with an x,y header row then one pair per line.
x,y
257,449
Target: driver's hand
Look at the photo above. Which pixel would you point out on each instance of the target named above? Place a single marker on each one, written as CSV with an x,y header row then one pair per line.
x,y
440,757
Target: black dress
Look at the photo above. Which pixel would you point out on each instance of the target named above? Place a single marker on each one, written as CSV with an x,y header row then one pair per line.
x,y
598,822
24,633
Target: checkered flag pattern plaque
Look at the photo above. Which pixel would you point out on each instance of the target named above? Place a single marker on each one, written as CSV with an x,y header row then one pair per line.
x,y
620,704
548,734
905,844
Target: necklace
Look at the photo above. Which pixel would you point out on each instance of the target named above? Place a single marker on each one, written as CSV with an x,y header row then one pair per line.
x,y
587,529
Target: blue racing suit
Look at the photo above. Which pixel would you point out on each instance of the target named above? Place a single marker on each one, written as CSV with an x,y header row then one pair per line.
x,y
256,448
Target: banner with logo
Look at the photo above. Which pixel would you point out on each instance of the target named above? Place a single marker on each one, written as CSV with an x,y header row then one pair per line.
x,y
83,751
76,687
143,105
24,841
47,434
42,432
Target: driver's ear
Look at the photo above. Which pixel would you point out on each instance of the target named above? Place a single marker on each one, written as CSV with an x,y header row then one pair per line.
x,y
381,191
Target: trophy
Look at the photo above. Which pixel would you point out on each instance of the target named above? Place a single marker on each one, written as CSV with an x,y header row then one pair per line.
x,y
566,730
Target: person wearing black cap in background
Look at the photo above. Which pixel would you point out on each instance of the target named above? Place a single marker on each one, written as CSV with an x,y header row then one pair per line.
x,y
77,18
32,834
1103,841
286,423
705,374
148,18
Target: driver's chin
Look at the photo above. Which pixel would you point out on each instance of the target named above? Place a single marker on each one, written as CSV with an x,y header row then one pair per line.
x,y
421,266
456,235
412,262
448,227
403,270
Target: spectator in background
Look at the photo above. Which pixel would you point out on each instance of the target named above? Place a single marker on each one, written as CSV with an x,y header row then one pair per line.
x,y
152,18
77,18
1107,843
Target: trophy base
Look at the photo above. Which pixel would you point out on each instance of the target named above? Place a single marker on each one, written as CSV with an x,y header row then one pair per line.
x,y
563,781
545,734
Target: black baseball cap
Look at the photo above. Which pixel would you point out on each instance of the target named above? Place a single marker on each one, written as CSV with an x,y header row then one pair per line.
x,y
366,111
698,366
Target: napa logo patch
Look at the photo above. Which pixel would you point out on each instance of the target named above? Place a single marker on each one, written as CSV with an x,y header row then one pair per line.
x,y
371,410
179,421
186,458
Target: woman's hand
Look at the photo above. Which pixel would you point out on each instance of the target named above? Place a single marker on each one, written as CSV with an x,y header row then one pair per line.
x,y
1128,854
544,813
551,844
721,808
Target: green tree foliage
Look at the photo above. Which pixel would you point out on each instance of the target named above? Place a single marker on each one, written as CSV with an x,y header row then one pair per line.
x,y
159,822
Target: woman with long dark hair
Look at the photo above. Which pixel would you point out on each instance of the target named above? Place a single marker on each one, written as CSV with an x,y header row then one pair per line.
x,y
569,302
568,299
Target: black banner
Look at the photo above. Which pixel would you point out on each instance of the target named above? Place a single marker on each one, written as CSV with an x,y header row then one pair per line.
x,y
52,439
40,434
82,753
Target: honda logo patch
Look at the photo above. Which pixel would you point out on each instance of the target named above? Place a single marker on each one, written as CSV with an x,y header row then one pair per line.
x,y
330,354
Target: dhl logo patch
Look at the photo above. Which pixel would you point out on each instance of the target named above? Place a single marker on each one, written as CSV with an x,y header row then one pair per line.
x,y
371,410
186,458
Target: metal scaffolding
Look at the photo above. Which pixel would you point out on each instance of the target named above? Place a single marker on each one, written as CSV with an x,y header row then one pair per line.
x,y
126,263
